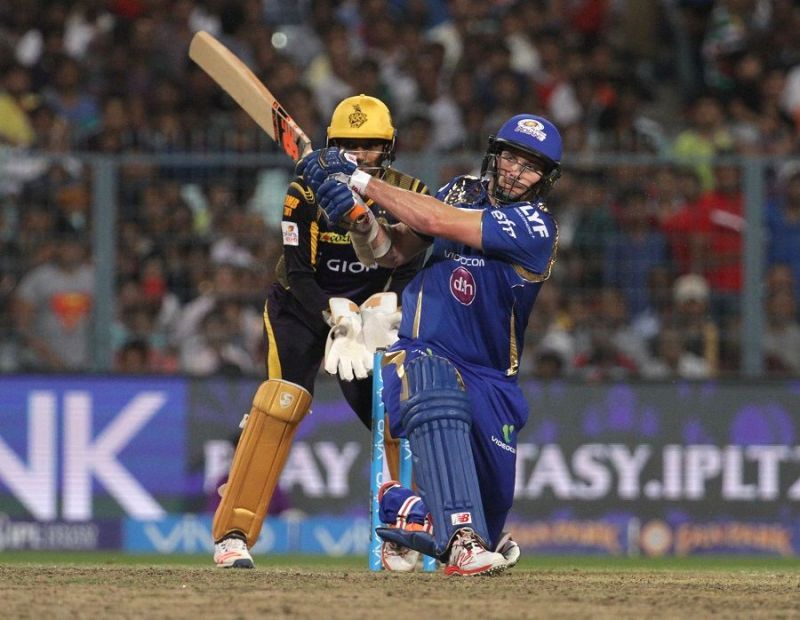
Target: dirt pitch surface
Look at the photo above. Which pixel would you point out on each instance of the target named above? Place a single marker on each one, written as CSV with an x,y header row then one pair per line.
x,y
45,591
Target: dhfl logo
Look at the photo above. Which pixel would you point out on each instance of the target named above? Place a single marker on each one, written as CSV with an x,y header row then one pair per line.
x,y
462,285
460,518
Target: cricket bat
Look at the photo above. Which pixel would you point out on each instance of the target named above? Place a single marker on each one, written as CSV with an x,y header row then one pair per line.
x,y
236,79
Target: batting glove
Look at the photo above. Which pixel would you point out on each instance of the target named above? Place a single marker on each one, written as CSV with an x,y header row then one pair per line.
x,y
326,163
337,201
302,164
380,318
346,354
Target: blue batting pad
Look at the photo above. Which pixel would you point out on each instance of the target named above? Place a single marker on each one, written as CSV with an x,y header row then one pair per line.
x,y
436,416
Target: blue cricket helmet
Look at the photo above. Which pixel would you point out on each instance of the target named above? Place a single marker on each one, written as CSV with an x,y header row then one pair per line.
x,y
532,134
535,136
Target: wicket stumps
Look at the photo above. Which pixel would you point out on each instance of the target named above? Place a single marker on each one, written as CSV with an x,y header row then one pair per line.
x,y
378,452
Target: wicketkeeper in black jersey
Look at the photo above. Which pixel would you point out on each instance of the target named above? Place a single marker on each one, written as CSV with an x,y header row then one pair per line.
x,y
325,305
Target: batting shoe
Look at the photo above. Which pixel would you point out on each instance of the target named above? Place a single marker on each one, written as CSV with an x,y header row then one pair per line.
x,y
469,556
508,549
397,558
232,553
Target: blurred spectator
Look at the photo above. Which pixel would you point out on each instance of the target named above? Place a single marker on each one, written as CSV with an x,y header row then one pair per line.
x,y
71,100
720,227
52,310
448,130
216,348
707,135
10,266
671,360
783,226
693,321
594,224
16,102
634,250
222,295
548,365
678,221
659,304
731,25
612,314
415,134
330,74
604,361
782,337
779,278
133,358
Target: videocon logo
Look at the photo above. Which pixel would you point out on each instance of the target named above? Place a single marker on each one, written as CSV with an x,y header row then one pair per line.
x,y
508,430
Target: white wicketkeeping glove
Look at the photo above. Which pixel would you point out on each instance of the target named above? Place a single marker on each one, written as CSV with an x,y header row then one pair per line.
x,y
345,352
380,318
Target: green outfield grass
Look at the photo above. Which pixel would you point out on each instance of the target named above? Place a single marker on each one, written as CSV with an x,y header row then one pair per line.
x,y
532,563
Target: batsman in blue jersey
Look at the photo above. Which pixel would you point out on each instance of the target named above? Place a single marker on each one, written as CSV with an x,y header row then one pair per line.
x,y
450,382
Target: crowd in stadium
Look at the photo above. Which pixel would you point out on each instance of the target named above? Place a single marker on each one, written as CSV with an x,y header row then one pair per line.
x,y
649,270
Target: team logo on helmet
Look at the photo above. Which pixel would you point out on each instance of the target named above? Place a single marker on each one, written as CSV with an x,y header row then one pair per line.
x,y
356,118
532,127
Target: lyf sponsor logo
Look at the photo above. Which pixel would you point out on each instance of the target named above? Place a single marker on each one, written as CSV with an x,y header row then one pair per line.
x,y
462,286
460,518
534,220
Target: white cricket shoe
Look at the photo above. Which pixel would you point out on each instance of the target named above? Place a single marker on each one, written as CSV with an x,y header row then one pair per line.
x,y
232,553
397,558
469,556
508,549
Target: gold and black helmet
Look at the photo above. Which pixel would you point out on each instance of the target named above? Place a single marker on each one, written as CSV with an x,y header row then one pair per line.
x,y
363,118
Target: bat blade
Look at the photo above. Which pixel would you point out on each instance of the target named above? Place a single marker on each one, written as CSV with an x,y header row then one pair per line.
x,y
236,79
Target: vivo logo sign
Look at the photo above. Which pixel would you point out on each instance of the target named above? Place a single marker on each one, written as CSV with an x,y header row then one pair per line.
x,y
289,533
75,444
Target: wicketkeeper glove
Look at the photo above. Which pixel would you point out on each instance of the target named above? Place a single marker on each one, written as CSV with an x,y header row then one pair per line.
x,y
345,351
326,163
380,318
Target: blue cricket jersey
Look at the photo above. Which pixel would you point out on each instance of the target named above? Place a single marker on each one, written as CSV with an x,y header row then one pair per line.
x,y
474,305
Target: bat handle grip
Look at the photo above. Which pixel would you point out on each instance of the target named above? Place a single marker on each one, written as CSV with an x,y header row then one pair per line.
x,y
359,208
357,211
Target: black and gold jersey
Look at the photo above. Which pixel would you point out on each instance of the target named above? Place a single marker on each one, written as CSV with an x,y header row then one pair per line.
x,y
318,261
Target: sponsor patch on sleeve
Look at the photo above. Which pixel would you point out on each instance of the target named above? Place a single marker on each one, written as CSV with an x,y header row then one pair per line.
x,y
290,233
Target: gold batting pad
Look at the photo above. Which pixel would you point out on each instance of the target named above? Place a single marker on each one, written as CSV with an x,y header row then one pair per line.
x,y
263,447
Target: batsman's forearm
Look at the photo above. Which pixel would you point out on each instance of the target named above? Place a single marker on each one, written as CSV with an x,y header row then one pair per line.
x,y
414,209
426,214
387,246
